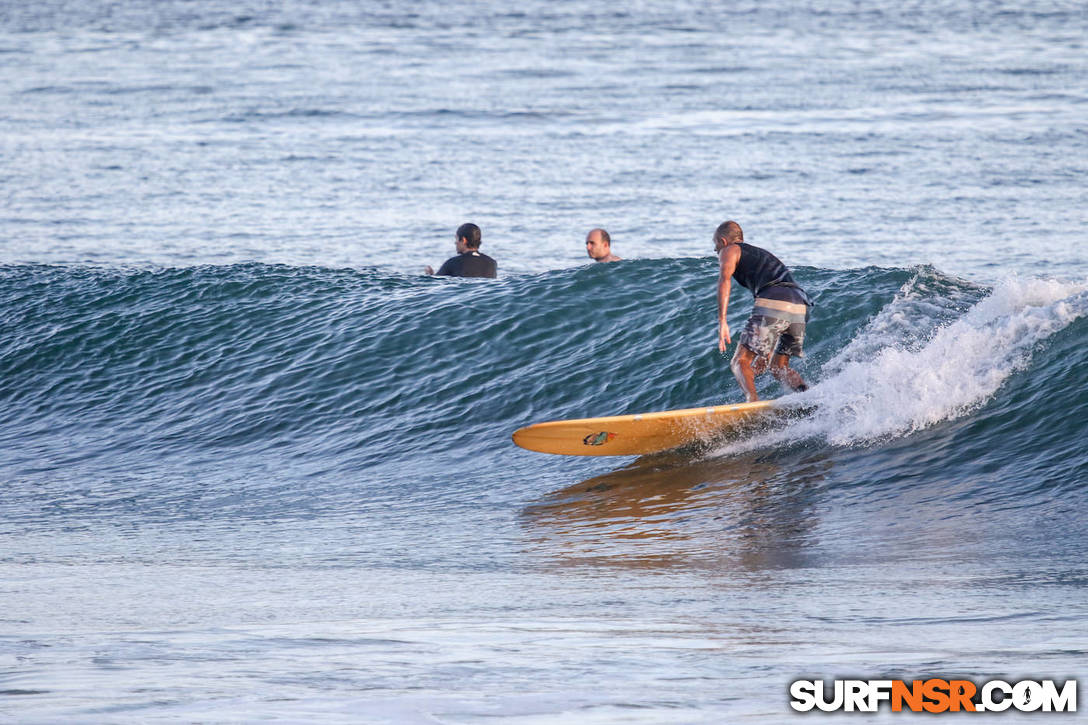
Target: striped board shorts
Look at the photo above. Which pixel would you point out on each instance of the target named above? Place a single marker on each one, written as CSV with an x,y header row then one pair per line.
x,y
776,326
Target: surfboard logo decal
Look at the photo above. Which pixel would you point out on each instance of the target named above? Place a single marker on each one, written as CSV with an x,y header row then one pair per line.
x,y
598,439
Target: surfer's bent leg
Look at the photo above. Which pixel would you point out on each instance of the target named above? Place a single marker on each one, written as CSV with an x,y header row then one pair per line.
x,y
781,370
743,372
790,344
757,343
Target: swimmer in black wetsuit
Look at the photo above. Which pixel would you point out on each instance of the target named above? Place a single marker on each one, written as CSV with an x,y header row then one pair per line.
x,y
776,330
469,262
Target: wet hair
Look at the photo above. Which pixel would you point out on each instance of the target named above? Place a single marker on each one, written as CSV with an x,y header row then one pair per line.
x,y
470,233
729,232
604,235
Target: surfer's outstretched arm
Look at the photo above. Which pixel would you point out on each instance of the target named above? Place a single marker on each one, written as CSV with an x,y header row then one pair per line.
x,y
728,258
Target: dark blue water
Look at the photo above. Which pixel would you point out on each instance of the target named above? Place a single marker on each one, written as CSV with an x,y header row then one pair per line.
x,y
256,466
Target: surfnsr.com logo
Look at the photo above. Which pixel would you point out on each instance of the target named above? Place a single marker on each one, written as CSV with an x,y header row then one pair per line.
x,y
934,695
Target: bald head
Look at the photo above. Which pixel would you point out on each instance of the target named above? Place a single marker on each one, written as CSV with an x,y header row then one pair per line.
x,y
599,246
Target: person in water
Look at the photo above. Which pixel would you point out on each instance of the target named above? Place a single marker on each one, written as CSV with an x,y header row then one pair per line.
x,y
776,330
469,262
599,246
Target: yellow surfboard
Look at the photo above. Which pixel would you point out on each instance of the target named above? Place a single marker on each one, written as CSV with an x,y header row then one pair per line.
x,y
630,435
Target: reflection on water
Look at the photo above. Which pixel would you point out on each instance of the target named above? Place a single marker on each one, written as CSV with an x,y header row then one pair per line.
x,y
751,512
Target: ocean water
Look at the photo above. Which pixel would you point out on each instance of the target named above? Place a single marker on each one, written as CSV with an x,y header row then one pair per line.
x,y
256,466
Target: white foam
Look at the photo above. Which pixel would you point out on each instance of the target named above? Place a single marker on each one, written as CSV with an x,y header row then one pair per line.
x,y
886,384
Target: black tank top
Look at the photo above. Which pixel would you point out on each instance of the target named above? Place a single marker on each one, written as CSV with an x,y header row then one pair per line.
x,y
759,271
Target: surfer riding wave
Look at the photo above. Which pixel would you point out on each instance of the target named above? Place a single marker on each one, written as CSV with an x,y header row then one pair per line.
x,y
775,332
